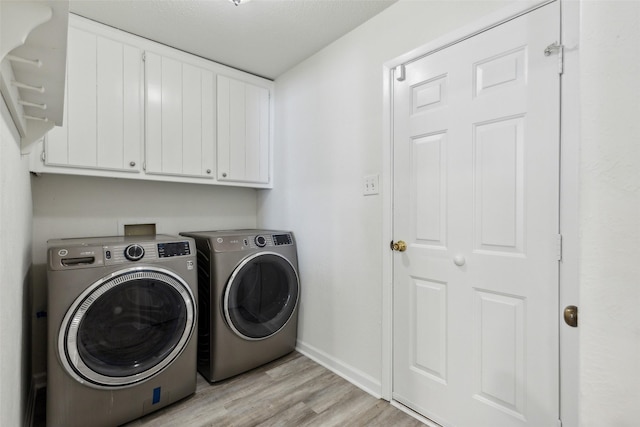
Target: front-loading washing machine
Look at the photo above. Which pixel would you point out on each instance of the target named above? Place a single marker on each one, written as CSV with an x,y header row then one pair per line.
x,y
122,315
249,288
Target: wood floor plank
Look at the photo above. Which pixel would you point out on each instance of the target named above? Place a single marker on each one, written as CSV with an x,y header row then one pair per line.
x,y
291,391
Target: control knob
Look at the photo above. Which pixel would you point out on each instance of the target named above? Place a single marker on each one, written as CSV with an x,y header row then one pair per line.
x,y
134,252
261,242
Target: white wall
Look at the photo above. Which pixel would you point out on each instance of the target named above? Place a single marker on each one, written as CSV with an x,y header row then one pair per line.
x,y
15,260
328,135
610,214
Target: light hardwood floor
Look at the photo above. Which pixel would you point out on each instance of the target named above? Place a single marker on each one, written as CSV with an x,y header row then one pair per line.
x,y
292,391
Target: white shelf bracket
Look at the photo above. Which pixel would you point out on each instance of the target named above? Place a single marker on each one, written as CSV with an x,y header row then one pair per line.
x,y
19,19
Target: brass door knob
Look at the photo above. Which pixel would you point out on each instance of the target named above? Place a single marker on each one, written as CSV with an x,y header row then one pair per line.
x,y
571,315
399,246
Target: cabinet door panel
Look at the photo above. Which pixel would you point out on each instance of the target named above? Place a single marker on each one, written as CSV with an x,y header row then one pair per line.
x,y
265,137
192,120
179,108
132,108
109,104
257,131
171,117
252,142
153,111
243,131
208,124
103,107
237,131
223,97
82,56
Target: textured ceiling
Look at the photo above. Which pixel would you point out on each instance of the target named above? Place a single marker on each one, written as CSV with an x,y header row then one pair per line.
x,y
263,37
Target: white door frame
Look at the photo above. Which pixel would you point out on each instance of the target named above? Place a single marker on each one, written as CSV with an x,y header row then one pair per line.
x,y
569,186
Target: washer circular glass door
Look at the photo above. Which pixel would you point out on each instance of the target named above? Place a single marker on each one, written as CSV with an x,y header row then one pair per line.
x,y
261,295
127,327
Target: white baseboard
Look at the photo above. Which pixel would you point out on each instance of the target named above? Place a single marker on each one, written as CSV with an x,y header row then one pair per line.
x,y
354,376
38,381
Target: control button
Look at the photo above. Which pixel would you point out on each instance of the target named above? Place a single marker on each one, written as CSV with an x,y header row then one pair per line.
x,y
107,254
260,241
63,252
134,252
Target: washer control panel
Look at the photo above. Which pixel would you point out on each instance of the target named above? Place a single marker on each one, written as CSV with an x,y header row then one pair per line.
x,y
92,252
118,254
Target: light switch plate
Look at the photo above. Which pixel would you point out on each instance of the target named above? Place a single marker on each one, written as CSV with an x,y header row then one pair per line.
x,y
371,184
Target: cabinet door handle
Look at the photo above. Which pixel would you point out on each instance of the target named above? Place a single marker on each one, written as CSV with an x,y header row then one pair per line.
x,y
224,174
132,164
208,170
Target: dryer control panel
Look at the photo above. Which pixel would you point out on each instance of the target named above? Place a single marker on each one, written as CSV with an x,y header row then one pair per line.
x,y
244,242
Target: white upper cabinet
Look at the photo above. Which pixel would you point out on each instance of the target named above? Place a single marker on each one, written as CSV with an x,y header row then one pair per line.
x,y
103,125
180,117
137,109
243,131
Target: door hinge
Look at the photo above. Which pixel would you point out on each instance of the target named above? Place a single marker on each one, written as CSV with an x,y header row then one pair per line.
x,y
400,73
144,166
559,423
144,56
43,156
556,47
559,246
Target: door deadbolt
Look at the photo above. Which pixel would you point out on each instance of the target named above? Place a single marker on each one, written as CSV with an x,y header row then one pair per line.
x,y
571,316
399,246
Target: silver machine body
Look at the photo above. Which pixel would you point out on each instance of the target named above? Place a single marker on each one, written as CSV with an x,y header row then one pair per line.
x,y
122,321
249,291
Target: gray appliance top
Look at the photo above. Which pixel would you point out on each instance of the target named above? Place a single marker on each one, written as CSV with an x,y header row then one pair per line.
x,y
238,240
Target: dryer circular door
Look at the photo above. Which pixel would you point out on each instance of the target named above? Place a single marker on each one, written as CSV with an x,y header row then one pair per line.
x,y
127,327
261,295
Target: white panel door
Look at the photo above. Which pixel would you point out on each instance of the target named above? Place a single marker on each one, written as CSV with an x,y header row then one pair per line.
x,y
476,181
180,114
243,131
103,121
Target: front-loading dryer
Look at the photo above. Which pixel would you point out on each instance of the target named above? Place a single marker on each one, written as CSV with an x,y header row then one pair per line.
x,y
122,315
249,288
